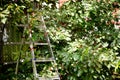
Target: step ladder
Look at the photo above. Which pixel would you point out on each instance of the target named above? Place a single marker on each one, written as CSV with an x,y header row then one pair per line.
x,y
41,60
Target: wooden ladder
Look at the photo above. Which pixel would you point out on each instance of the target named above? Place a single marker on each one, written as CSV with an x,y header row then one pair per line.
x,y
44,59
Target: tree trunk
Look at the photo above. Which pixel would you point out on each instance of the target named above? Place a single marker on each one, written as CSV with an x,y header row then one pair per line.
x,y
1,43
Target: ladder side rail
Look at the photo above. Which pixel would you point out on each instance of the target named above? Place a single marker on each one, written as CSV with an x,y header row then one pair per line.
x,y
32,52
33,57
46,35
21,45
49,44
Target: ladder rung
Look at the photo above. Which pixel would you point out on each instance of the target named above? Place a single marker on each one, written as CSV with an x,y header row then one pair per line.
x,y
22,25
40,43
12,43
15,43
45,60
18,43
49,78
13,62
6,63
22,60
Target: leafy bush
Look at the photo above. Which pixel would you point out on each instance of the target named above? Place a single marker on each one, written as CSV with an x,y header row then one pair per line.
x,y
88,48
85,43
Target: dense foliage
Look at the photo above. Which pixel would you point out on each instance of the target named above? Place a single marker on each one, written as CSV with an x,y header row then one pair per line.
x,y
84,41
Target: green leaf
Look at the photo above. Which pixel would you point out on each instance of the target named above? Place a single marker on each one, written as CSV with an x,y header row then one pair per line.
x,y
75,57
5,12
4,20
37,0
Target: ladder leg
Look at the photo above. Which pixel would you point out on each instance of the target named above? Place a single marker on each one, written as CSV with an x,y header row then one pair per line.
x,y
18,60
16,70
33,56
49,45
